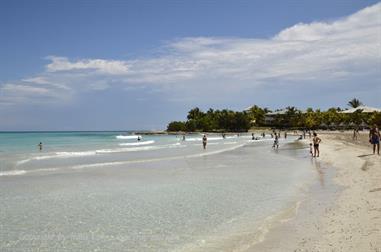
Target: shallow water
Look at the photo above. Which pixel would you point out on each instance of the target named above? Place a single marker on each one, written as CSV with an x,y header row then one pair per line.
x,y
172,197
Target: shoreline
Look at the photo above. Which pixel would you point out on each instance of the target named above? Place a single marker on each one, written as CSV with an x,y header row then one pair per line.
x,y
342,215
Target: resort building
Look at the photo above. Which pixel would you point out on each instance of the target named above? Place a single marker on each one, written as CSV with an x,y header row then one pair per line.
x,y
363,109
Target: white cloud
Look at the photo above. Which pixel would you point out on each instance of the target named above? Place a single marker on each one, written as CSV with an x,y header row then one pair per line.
x,y
102,66
328,52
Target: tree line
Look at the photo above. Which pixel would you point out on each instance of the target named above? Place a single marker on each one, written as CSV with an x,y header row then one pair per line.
x,y
212,120
291,118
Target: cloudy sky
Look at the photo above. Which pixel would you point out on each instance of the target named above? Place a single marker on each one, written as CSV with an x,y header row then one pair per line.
x,y
117,65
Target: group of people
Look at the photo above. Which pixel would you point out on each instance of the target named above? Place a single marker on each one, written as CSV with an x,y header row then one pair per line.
x,y
374,139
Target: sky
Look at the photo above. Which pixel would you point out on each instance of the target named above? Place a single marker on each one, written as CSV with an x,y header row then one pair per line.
x,y
132,65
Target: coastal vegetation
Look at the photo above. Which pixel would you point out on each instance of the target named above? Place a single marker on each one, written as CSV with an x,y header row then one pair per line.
x,y
288,118
213,120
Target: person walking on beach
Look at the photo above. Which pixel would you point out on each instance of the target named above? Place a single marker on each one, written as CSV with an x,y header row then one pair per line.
x,y
355,133
204,141
374,138
252,136
316,141
40,146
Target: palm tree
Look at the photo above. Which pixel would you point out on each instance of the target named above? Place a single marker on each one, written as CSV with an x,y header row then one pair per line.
x,y
354,103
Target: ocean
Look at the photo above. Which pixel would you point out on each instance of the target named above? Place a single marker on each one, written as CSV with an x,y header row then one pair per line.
x,y
97,191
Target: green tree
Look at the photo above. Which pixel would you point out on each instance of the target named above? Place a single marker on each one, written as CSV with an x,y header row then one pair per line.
x,y
176,126
354,103
375,118
191,125
257,115
195,114
357,117
292,117
331,117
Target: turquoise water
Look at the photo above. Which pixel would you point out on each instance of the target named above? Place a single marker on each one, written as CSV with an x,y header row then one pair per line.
x,y
18,147
98,191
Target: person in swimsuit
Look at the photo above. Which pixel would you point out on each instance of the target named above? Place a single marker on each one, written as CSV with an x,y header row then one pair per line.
x,y
40,146
204,141
276,142
316,141
374,139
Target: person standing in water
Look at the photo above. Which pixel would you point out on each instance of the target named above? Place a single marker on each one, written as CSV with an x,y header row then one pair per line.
x,y
374,138
276,142
204,141
40,146
316,141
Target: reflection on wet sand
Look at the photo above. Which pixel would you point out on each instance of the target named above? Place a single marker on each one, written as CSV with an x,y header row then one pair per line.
x,y
319,170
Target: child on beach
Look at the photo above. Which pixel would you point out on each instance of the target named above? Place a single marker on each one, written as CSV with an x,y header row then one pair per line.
x,y
311,149
316,141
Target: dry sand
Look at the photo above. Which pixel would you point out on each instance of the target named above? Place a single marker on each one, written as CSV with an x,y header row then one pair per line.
x,y
342,212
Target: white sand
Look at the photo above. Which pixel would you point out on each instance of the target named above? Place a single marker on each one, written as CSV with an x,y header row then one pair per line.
x,y
345,217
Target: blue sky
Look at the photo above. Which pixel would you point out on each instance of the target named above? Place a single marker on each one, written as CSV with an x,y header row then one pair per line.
x,y
103,65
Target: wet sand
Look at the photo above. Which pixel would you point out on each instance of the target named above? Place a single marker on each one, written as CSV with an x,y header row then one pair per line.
x,y
342,212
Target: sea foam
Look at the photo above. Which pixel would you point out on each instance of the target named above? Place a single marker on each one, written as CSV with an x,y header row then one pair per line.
x,y
128,137
138,143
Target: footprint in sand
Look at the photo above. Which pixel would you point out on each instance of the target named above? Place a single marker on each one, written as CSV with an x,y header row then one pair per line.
x,y
375,190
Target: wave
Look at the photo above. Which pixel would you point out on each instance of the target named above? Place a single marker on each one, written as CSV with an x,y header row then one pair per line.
x,y
138,143
114,163
128,137
22,172
98,152
227,143
193,139
126,149
207,153
12,173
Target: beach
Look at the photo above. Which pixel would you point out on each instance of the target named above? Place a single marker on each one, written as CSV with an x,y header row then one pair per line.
x,y
344,212
94,191
113,192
